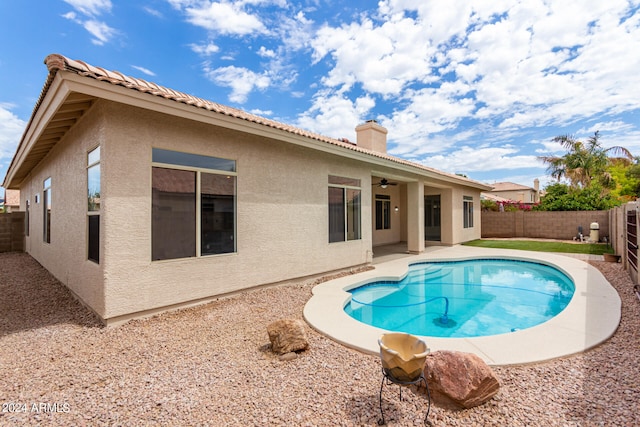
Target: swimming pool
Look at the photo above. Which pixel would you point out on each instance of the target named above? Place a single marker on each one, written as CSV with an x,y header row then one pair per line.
x,y
591,317
469,298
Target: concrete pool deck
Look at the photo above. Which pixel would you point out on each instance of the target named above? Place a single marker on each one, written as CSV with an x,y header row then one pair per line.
x,y
591,317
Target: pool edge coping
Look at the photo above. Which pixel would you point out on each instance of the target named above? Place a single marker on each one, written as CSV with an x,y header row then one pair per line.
x,y
592,316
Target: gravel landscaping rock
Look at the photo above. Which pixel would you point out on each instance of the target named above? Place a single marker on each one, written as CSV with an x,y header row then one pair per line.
x,y
213,365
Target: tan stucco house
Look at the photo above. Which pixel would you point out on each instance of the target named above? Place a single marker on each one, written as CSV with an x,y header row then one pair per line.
x,y
510,191
141,199
11,200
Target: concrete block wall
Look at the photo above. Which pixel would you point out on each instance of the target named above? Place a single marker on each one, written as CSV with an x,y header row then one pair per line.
x,y
12,232
544,225
499,224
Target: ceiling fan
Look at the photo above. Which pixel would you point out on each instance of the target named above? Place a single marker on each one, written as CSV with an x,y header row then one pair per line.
x,y
384,183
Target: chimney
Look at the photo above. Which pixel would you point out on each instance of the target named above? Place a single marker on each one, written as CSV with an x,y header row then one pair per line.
x,y
372,136
536,186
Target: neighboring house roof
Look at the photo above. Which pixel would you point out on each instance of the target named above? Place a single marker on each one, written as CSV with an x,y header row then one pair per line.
x,y
493,197
44,131
12,198
508,190
510,186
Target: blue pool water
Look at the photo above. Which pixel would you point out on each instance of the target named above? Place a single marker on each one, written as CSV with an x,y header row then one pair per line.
x,y
464,298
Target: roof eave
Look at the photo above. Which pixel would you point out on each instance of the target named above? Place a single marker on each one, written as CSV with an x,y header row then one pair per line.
x,y
57,110
67,77
36,122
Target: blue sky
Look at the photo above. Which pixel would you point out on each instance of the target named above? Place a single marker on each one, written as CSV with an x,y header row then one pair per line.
x,y
470,87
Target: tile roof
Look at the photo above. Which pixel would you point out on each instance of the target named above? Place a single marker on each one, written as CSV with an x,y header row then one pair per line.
x,y
493,197
510,186
57,62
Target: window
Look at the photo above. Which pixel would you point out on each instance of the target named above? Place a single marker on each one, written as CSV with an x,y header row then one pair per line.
x,y
46,206
93,205
467,208
344,209
26,218
432,211
383,212
193,205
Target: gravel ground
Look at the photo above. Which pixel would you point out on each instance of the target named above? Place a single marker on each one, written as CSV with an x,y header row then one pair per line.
x,y
212,365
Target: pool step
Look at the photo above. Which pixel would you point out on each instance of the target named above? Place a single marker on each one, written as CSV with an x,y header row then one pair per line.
x,y
436,273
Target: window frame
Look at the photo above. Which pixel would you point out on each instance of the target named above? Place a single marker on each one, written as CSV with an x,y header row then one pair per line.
x,y
93,208
181,165
27,213
467,211
348,186
46,210
383,211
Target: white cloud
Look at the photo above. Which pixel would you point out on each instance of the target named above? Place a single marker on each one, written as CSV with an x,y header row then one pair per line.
x,y
443,21
295,32
153,12
430,111
266,53
383,59
615,133
628,139
516,65
205,49
144,70
282,62
101,32
262,113
279,3
443,75
474,159
542,69
223,17
91,7
617,125
11,129
281,73
242,81
278,70
335,115
549,147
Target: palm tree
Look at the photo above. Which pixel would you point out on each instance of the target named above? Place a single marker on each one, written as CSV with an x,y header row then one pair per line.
x,y
585,162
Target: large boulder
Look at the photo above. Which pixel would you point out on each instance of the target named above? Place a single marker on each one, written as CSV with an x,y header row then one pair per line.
x,y
460,379
287,335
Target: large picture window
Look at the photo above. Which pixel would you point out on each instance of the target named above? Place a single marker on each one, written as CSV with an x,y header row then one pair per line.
x,y
93,205
46,206
344,209
383,212
193,205
467,209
